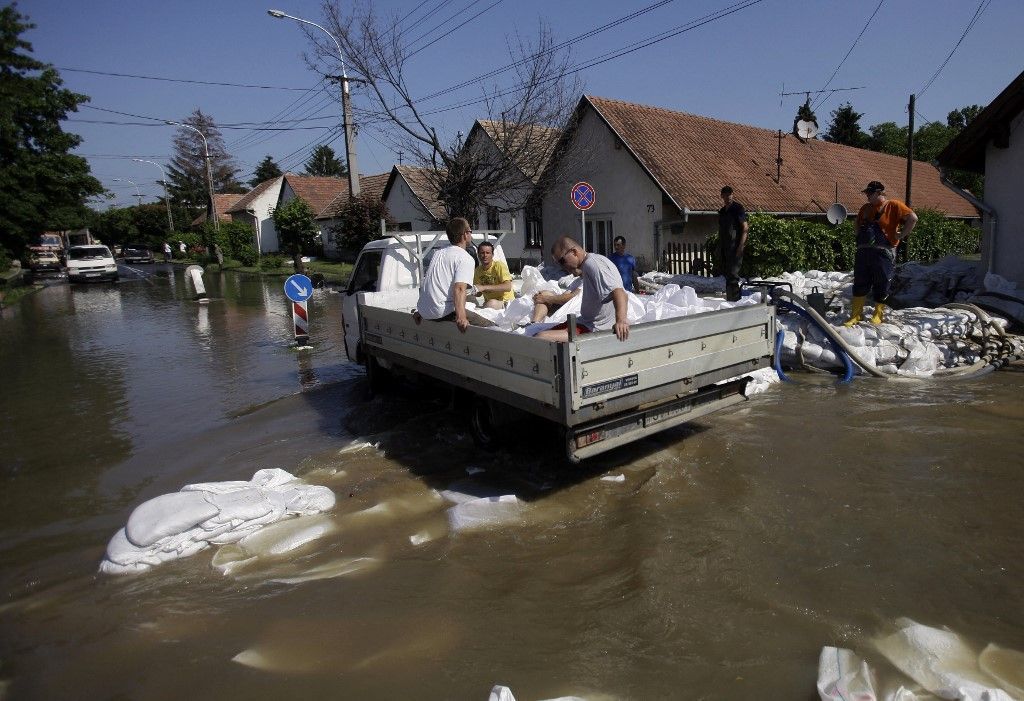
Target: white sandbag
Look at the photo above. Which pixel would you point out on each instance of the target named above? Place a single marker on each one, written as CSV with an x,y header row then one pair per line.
x,y
939,661
178,525
485,511
843,676
167,515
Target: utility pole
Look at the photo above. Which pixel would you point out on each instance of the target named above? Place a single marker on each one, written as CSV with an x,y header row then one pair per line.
x,y
910,150
346,105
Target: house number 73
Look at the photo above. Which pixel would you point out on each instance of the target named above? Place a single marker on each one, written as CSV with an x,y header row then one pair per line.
x,y
650,209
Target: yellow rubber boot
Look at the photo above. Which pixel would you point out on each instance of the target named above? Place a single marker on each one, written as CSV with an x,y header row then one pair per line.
x,y
856,311
877,316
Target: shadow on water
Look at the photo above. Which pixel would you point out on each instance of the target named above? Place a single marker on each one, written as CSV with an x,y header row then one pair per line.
x,y
421,426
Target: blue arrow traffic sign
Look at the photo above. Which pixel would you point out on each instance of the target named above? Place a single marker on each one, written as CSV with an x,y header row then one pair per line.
x,y
298,288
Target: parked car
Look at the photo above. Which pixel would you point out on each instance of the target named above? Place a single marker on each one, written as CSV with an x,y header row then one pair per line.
x,y
136,253
91,263
40,260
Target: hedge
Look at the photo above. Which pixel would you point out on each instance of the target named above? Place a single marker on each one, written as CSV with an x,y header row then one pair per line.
x,y
776,245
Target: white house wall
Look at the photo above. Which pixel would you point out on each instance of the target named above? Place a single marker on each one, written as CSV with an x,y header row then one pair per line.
x,y
1004,173
404,207
263,206
626,194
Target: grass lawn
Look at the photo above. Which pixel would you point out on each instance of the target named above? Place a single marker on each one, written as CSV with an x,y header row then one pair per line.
x,y
334,272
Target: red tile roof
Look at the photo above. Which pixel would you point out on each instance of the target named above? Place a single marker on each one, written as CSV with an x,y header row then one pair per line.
x,y
247,198
691,157
369,186
317,191
423,183
225,201
529,145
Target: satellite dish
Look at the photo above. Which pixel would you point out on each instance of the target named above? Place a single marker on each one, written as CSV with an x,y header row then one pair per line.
x,y
836,214
806,130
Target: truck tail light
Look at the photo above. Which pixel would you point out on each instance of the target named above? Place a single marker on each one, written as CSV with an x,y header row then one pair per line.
x,y
585,439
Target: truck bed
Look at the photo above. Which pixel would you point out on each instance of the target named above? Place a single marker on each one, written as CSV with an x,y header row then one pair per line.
x,y
665,373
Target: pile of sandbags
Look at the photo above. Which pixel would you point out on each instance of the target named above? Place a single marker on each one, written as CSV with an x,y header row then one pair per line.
x,y
183,523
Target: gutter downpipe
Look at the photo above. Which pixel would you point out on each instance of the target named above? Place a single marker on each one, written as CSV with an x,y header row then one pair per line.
x,y
984,207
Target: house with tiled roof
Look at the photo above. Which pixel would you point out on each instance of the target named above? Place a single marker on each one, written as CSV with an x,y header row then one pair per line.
x,y
410,195
993,144
256,208
371,186
224,201
517,155
657,174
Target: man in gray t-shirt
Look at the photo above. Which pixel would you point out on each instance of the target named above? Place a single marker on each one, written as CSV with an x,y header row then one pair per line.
x,y
604,302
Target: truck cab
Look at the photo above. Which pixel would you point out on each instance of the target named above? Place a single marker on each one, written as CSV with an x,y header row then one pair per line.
x,y
396,263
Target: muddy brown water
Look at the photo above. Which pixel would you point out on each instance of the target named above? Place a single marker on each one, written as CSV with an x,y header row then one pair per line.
x,y
734,549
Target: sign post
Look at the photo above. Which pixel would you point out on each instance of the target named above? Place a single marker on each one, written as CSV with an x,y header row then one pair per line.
x,y
298,289
583,197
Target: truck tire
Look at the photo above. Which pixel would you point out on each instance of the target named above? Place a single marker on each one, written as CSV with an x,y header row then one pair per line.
x,y
377,378
482,425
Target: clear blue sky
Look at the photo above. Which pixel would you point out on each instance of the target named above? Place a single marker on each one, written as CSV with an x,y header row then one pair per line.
x,y
732,69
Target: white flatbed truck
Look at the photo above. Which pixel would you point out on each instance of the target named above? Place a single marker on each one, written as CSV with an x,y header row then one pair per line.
x,y
602,392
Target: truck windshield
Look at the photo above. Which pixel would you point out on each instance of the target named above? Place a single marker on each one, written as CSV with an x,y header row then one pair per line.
x,y
364,277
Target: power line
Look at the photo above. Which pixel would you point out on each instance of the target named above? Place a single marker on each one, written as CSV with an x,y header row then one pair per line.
x,y
219,126
618,53
177,80
448,32
568,42
852,46
982,6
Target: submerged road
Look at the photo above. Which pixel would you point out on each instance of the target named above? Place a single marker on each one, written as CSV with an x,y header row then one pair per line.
x,y
726,556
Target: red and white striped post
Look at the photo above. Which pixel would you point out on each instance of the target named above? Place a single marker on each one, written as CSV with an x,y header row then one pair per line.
x,y
300,321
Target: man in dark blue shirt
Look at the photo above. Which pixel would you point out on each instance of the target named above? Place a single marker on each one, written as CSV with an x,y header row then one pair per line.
x,y
732,239
624,262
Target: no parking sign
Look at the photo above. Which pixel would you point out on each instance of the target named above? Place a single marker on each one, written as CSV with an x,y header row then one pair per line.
x,y
583,196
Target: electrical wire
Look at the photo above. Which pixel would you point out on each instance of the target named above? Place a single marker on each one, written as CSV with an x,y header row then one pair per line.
x,y
822,100
177,80
982,6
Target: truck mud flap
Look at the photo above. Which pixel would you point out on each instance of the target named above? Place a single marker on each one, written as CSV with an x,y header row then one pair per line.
x,y
592,439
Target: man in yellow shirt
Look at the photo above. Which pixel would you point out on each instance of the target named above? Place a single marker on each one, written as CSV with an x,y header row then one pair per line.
x,y
492,278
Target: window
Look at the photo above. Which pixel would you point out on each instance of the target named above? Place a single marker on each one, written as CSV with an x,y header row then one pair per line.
x,y
599,234
493,218
534,228
364,277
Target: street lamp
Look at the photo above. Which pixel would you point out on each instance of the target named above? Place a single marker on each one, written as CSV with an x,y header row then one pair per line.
x,y
167,199
137,192
346,107
209,171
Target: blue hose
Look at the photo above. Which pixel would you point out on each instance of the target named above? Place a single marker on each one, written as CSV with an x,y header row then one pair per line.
x,y
840,353
779,337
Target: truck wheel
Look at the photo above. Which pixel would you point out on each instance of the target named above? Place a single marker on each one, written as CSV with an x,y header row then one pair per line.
x,y
482,425
377,378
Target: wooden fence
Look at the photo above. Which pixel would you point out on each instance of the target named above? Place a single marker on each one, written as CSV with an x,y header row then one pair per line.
x,y
686,259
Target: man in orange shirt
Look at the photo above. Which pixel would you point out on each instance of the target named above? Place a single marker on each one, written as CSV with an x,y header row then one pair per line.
x,y
881,225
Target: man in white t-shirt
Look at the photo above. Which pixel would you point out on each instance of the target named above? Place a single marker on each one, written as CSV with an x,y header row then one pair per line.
x,y
448,279
604,303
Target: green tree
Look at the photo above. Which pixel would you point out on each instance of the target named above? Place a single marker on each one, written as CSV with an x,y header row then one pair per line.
x,y
323,162
187,170
296,229
42,186
845,127
888,137
266,170
359,222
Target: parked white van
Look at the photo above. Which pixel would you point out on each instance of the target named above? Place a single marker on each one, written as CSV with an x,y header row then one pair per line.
x,y
93,262
397,263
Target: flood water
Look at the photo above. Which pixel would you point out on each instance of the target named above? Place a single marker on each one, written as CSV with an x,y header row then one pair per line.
x,y
734,549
